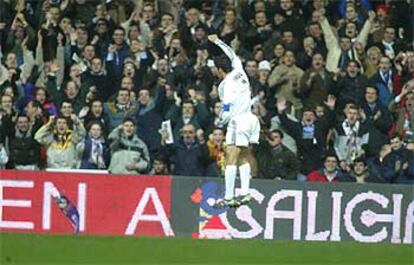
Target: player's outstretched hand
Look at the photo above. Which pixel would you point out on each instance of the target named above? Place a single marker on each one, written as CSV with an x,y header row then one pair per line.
x,y
213,38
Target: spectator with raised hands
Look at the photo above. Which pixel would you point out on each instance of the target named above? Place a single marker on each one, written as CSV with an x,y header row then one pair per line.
x,y
60,141
149,14
105,61
117,51
136,28
51,73
94,112
310,134
342,50
18,67
149,117
21,35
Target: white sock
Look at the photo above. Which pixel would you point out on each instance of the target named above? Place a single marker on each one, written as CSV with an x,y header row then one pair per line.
x,y
230,179
245,176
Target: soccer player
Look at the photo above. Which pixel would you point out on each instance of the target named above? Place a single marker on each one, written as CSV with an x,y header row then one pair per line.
x,y
243,127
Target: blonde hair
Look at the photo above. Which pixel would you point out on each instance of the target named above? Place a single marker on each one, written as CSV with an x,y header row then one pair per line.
x,y
373,49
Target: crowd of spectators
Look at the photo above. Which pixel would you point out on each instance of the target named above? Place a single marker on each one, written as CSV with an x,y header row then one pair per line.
x,y
88,83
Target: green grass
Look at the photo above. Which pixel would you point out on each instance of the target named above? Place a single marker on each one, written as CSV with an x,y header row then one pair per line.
x,y
59,249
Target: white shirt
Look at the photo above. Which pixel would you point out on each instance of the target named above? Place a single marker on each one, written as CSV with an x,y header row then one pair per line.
x,y
234,89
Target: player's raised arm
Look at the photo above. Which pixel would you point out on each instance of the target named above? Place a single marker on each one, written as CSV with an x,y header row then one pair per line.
x,y
235,60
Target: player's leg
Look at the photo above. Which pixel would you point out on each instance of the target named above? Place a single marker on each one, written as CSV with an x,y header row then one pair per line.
x,y
251,159
230,170
245,176
246,159
230,173
232,154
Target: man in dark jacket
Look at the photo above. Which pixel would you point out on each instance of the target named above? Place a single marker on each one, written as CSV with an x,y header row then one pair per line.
x,y
350,88
309,134
189,154
24,149
149,119
399,159
380,165
276,161
384,80
377,118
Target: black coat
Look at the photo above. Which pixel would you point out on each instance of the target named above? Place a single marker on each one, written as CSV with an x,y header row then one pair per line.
x,y
188,161
350,89
310,151
276,164
24,149
378,129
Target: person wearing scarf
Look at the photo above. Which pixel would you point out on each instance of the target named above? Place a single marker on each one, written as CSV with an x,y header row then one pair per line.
x,y
94,150
350,135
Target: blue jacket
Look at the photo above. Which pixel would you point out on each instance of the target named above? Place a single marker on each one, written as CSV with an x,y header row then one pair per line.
x,y
381,170
385,95
365,4
85,163
116,60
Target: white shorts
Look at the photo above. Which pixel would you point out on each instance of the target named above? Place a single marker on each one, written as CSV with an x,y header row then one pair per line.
x,y
243,130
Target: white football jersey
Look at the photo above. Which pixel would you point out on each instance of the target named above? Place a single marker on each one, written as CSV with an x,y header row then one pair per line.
x,y
234,89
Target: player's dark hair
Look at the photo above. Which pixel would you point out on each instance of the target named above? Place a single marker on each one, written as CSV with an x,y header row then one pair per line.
x,y
223,63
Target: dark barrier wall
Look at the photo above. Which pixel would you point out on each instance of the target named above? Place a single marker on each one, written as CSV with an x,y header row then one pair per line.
x,y
296,210
181,206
